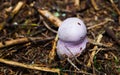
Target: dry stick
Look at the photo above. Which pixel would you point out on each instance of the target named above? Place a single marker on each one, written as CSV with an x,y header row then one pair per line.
x,y
77,3
100,24
18,7
90,61
48,27
117,9
52,52
115,57
83,73
15,11
94,5
99,44
68,59
22,40
113,4
50,17
54,70
118,67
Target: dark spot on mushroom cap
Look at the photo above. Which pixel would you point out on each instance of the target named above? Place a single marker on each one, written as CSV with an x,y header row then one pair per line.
x,y
79,23
81,48
82,38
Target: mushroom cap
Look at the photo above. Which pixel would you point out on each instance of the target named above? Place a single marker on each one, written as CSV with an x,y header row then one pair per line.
x,y
72,30
70,50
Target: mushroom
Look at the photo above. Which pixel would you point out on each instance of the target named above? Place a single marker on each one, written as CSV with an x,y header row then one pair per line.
x,y
72,38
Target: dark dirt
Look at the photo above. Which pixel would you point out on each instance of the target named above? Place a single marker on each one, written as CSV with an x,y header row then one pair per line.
x,y
27,22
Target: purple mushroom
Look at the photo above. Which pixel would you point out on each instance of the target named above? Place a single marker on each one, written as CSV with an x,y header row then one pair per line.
x,y
72,38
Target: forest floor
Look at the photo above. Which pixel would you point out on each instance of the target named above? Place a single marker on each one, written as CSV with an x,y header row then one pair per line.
x,y
28,37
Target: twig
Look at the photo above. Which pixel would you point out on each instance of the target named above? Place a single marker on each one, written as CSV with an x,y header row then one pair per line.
x,y
100,24
94,5
45,13
117,9
54,70
78,72
113,4
77,3
94,51
115,57
22,40
15,11
52,52
18,7
99,44
68,59
118,67
48,27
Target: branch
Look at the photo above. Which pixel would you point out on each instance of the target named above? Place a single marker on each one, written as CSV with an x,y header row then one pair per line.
x,y
18,7
56,21
54,70
94,5
22,40
113,4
